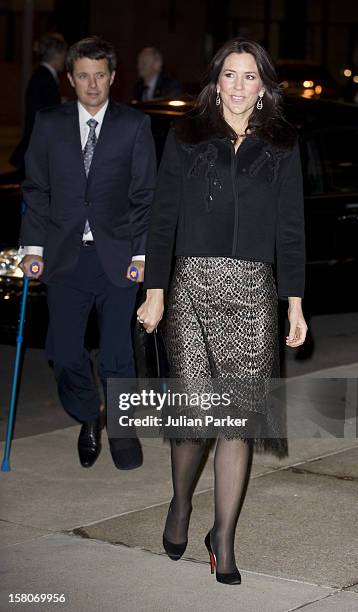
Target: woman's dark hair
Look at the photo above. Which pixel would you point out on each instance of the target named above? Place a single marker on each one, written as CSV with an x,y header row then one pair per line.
x,y
268,123
94,48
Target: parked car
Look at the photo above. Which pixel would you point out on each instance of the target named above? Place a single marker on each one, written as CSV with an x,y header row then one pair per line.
x,y
328,133
307,79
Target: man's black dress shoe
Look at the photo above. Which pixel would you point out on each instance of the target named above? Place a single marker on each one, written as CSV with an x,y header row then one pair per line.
x,y
89,442
126,453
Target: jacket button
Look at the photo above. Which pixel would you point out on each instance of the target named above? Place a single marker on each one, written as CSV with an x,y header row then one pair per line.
x,y
87,203
244,170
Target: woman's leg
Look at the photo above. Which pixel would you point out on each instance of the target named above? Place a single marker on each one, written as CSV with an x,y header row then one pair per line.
x,y
232,465
186,457
188,360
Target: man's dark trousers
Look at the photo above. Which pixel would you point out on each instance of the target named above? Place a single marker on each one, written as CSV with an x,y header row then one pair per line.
x,y
69,306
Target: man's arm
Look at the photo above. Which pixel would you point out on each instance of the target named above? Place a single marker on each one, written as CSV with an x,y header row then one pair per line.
x,y
36,188
142,186
36,193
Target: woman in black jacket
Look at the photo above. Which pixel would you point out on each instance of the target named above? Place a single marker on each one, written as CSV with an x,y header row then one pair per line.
x,y
229,205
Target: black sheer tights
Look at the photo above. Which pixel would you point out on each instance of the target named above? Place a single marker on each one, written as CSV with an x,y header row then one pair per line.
x,y
232,466
187,458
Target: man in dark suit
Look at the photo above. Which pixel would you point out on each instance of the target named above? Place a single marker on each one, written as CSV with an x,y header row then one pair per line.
x,y
152,82
42,90
91,172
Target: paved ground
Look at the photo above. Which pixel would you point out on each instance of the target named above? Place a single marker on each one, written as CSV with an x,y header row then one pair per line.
x,y
95,535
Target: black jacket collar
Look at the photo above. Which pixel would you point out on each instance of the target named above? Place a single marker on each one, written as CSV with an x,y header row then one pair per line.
x,y
192,130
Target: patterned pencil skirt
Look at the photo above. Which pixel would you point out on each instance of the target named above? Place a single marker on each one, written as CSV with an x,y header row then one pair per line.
x,y
221,325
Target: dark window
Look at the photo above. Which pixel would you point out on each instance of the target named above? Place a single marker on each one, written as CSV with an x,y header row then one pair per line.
x,y
330,161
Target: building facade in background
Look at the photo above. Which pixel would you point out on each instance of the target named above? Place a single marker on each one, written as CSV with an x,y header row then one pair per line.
x,y
187,32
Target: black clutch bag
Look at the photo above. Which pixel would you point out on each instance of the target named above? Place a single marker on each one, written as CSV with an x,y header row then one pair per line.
x,y
149,352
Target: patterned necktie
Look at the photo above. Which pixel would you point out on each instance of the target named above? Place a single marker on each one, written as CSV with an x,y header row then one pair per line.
x,y
90,144
88,154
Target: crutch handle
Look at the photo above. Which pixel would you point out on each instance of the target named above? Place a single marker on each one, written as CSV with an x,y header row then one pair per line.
x,y
35,267
133,273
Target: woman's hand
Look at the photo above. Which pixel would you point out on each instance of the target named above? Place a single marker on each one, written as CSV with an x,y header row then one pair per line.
x,y
298,326
151,311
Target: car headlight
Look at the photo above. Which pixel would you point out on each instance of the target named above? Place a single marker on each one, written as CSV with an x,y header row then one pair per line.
x,y
9,261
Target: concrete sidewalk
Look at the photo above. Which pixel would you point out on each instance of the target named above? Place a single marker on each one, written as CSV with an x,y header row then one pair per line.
x,y
95,535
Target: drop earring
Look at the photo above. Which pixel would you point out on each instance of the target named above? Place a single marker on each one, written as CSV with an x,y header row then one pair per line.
x,y
218,100
259,104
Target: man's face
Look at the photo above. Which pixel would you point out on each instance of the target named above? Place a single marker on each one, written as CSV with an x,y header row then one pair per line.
x,y
148,65
91,81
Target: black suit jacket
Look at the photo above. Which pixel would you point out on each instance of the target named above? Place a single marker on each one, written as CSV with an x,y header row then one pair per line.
x,y
115,197
164,88
42,91
210,202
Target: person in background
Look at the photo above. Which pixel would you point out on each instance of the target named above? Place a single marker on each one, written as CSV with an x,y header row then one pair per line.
x,y
90,178
152,82
42,90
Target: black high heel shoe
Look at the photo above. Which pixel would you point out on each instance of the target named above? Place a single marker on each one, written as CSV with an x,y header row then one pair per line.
x,y
229,578
174,551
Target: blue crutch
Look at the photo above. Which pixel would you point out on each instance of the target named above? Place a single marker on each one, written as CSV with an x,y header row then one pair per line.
x,y
5,466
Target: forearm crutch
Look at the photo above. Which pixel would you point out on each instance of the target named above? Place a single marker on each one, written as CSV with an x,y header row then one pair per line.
x,y
5,466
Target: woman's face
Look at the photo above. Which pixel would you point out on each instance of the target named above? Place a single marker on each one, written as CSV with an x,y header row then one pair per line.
x,y
239,86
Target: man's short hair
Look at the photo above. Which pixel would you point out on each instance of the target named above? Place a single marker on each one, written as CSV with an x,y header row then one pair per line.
x,y
94,48
50,45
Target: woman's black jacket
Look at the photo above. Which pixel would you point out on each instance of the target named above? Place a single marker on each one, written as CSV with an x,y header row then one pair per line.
x,y
210,201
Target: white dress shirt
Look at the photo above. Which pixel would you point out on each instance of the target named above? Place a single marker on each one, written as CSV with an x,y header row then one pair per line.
x,y
83,117
150,87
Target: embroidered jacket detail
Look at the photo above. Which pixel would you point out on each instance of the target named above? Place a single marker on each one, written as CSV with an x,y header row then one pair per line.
x,y
207,159
272,157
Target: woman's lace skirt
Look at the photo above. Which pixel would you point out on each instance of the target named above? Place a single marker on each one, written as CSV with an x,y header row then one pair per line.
x,y
221,330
